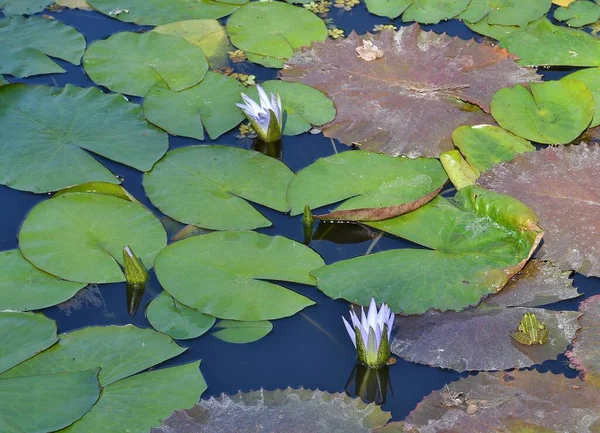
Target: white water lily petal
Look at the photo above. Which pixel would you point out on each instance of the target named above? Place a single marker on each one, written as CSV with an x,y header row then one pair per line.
x,y
350,331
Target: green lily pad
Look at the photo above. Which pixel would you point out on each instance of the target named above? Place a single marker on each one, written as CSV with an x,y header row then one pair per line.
x,y
173,318
377,186
506,12
23,7
157,12
44,131
101,188
209,35
304,106
591,78
80,237
231,268
26,45
486,145
493,31
24,287
209,104
554,112
476,243
234,331
120,351
208,186
132,63
421,11
138,403
23,336
46,403
3,81
274,29
579,13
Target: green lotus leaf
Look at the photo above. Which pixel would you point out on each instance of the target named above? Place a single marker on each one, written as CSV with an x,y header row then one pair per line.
x,y
234,331
80,237
101,188
209,35
579,13
173,318
157,12
274,29
304,106
591,78
208,186
138,403
120,351
26,45
494,31
506,12
231,268
23,336
377,186
486,145
132,63
23,7
46,403
44,131
421,11
475,242
552,112
24,287
208,105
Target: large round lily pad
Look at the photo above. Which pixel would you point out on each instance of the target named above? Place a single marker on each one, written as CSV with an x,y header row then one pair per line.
x,y
26,45
422,11
554,112
506,12
132,63
274,30
80,237
475,242
44,131
24,287
208,105
226,273
207,186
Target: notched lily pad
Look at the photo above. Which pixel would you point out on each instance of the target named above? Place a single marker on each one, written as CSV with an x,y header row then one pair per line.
x,y
238,332
579,13
585,354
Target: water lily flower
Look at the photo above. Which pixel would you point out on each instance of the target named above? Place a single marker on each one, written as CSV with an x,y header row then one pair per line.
x,y
371,334
266,118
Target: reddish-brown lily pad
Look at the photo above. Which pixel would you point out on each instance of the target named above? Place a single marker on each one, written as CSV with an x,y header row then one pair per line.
x,y
585,355
561,186
408,101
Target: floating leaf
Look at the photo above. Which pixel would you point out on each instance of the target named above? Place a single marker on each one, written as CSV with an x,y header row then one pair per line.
x,y
579,13
209,35
560,186
157,12
422,11
476,243
486,145
519,401
207,186
80,237
102,188
23,7
24,287
585,353
274,30
26,45
43,131
231,268
23,336
591,78
235,331
75,4
497,32
210,105
120,351
132,63
3,81
459,171
506,12
376,186
46,403
267,411
303,105
409,101
480,338
563,3
138,403
168,316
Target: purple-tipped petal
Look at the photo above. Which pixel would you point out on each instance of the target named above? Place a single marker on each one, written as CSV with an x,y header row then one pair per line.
x,y
350,331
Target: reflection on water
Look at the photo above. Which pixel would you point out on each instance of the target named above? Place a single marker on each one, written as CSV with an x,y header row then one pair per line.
x,y
369,384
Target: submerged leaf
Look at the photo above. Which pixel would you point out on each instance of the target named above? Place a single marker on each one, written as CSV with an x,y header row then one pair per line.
x,y
235,331
409,101
585,354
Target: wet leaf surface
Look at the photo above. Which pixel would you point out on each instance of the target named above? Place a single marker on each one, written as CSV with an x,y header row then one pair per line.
x,y
401,103
585,353
579,13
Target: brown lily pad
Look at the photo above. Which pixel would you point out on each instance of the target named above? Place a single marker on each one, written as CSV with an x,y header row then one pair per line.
x,y
585,355
561,186
408,101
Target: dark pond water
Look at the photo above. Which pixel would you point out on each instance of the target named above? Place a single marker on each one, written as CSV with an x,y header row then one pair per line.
x,y
310,349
